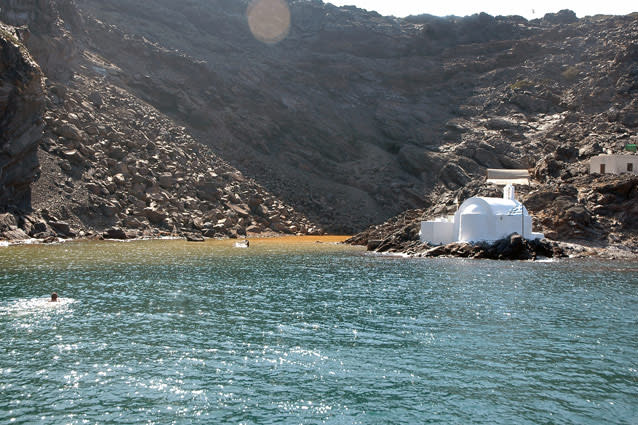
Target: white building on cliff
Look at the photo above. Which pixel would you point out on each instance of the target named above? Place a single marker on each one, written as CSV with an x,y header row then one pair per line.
x,y
614,164
481,219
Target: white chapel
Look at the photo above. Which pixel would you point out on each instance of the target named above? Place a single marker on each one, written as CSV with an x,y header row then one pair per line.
x,y
481,219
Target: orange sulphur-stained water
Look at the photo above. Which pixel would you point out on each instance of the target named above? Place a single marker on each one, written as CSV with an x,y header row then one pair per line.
x,y
74,253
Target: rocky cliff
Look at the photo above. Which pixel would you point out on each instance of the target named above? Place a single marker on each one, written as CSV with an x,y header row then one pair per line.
x,y
46,35
354,117
21,109
345,116
111,165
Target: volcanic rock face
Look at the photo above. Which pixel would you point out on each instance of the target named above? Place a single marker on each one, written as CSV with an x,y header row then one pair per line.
x,y
113,166
354,117
46,34
116,163
592,208
21,107
345,116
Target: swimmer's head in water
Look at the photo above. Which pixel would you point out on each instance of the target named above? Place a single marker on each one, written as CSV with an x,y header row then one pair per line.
x,y
54,296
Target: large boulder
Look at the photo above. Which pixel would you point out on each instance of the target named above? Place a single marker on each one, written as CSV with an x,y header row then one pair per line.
x,y
564,16
62,229
70,132
115,233
7,222
154,215
14,235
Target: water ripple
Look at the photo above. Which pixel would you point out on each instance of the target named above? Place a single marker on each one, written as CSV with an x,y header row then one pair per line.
x,y
166,332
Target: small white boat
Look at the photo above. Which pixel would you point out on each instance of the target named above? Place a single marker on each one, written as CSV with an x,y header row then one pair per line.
x,y
242,244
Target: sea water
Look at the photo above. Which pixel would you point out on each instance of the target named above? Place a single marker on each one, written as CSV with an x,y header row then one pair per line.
x,y
296,331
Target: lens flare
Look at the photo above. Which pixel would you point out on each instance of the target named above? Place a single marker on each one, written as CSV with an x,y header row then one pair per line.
x,y
269,20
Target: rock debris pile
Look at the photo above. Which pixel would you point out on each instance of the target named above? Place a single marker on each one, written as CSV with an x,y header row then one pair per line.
x,y
116,168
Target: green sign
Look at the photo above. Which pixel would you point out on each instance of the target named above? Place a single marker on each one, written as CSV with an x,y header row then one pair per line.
x,y
631,147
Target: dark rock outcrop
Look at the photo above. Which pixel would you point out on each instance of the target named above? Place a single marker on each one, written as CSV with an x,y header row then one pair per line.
x,y
115,233
45,33
21,108
589,208
514,247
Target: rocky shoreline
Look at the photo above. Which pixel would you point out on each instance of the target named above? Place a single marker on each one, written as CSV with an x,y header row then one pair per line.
x,y
514,247
119,235
42,228
581,215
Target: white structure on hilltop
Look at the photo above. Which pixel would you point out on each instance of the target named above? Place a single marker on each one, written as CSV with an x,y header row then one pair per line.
x,y
504,177
614,164
481,219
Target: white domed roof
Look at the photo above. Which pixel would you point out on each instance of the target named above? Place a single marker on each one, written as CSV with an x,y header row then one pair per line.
x,y
492,206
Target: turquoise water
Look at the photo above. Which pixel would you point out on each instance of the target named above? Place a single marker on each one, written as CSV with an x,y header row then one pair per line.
x,y
169,332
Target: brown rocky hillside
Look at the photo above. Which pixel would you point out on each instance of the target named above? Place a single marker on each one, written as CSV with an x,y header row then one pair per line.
x,y
110,164
350,119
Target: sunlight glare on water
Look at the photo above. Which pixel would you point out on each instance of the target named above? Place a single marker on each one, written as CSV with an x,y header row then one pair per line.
x,y
296,331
